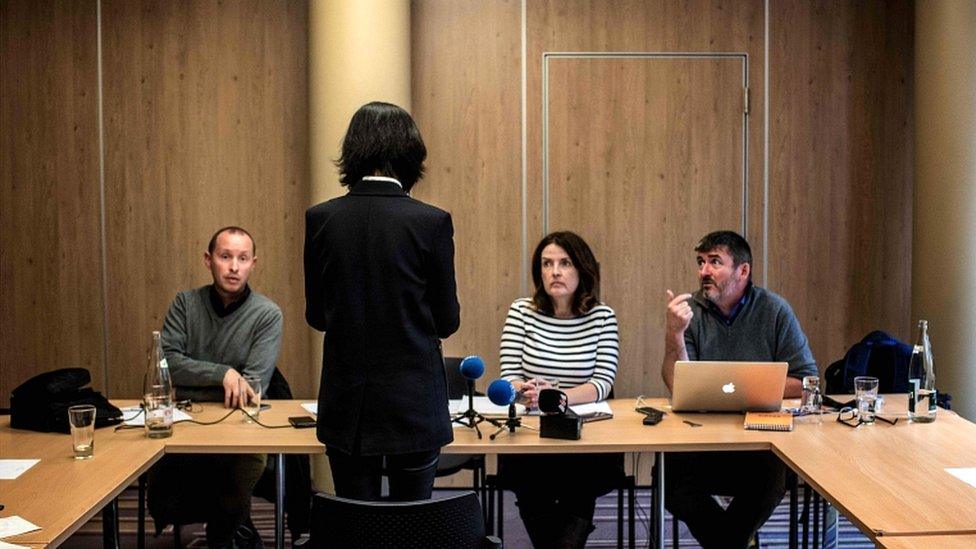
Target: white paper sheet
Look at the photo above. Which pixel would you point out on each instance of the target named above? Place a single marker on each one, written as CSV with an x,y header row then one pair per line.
x,y
483,406
965,474
311,407
14,526
13,468
132,415
602,406
583,409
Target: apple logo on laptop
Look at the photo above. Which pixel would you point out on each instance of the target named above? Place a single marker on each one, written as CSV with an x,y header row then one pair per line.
x,y
728,388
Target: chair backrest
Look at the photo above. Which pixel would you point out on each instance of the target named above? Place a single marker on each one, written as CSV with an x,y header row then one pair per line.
x,y
879,355
457,386
454,522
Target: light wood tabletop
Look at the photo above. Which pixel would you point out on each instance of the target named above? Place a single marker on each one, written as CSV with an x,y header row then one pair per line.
x,y
890,479
60,493
967,541
878,476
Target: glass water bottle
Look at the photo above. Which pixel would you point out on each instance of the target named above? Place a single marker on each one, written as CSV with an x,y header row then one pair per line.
x,y
158,392
921,379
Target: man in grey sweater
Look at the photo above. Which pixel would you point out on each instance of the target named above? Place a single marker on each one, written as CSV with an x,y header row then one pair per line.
x,y
729,319
212,336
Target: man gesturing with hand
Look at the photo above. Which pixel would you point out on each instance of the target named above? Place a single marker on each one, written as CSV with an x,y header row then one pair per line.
x,y
729,319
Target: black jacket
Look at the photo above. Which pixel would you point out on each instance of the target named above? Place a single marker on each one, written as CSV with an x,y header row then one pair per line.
x,y
379,281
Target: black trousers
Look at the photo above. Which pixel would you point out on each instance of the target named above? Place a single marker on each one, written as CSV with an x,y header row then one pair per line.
x,y
755,480
556,493
216,489
359,477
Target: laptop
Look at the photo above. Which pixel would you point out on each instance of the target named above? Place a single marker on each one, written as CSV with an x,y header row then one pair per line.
x,y
711,386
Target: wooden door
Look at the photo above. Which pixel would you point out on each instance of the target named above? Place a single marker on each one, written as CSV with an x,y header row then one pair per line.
x,y
643,154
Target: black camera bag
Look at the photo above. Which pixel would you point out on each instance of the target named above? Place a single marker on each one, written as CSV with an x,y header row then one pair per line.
x,y
41,403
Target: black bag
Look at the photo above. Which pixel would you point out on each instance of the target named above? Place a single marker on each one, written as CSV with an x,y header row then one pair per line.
x,y
41,403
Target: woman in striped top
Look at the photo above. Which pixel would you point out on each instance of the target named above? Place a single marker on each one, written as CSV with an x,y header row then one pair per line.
x,y
565,334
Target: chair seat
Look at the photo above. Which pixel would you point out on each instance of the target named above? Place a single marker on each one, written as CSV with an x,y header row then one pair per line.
x,y
448,464
454,522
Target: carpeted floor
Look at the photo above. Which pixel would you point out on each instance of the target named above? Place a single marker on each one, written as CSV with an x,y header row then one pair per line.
x,y
773,535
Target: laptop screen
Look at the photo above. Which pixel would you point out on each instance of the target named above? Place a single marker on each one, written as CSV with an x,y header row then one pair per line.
x,y
713,386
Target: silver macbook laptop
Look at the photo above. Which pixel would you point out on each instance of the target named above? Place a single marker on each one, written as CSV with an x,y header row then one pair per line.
x,y
704,386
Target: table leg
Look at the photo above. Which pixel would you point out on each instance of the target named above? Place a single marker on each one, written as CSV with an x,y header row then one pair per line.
x,y
657,536
794,509
280,501
110,525
141,511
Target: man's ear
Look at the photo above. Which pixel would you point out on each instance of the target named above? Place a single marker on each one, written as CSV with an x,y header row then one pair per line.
x,y
207,260
745,270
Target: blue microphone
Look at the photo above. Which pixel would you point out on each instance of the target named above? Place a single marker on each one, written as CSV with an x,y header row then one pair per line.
x,y
472,367
501,392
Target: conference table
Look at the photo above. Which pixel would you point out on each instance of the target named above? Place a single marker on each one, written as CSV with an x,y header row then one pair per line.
x,y
889,480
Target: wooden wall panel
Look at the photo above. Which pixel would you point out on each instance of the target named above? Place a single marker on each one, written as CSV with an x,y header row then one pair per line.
x,y
50,247
655,27
206,125
841,168
466,97
646,155
840,156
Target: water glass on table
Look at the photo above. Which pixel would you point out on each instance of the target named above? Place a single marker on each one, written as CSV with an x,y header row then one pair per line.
x,y
82,421
250,397
866,391
812,401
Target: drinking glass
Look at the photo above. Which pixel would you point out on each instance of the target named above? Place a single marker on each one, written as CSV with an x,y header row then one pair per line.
x,y
250,395
82,421
866,390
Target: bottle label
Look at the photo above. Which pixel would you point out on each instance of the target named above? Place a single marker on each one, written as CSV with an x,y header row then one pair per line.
x,y
912,395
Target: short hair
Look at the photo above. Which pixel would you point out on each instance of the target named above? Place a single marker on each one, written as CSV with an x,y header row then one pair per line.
x,y
232,229
587,293
736,245
382,138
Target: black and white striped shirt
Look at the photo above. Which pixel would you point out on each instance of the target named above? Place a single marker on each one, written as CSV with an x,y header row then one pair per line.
x,y
577,350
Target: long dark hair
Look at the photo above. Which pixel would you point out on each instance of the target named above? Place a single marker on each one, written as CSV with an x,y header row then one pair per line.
x,y
587,294
382,138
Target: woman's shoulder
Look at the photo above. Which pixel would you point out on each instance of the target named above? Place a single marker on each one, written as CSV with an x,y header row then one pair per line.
x,y
523,305
601,310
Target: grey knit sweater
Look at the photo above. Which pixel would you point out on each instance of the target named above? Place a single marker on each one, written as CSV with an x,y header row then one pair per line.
x,y
200,346
765,329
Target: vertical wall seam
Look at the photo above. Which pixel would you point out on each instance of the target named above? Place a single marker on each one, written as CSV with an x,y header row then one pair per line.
x,y
101,199
765,270
747,112
524,272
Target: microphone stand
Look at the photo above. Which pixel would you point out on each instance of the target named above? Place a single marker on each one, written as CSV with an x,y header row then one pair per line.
x,y
470,418
511,423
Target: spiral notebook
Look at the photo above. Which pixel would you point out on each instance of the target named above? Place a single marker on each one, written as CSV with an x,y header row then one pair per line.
x,y
768,421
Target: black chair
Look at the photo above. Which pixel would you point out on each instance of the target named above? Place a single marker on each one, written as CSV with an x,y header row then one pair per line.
x,y
298,472
298,482
449,464
496,485
451,523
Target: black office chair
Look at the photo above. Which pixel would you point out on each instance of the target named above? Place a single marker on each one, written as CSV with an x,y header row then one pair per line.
x,y
449,464
452,523
626,484
298,484
298,472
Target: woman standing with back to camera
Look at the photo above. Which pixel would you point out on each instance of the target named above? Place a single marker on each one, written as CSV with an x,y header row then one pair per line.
x,y
379,281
